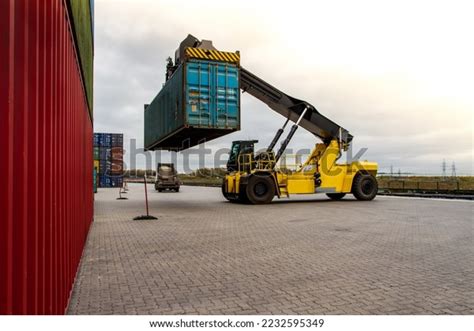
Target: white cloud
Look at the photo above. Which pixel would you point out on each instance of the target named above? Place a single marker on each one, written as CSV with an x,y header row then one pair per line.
x,y
397,75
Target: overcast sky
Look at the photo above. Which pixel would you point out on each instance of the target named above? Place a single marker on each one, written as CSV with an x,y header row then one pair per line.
x,y
398,75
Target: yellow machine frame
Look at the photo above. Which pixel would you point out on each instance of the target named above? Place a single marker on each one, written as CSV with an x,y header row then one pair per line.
x,y
334,177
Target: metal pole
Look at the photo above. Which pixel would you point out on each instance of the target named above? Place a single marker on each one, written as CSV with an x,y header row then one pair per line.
x,y
146,196
147,216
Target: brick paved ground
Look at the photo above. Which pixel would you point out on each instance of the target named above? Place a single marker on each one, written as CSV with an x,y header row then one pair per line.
x,y
208,256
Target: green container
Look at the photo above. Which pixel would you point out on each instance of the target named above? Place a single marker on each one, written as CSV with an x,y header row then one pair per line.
x,y
96,153
81,14
94,180
200,102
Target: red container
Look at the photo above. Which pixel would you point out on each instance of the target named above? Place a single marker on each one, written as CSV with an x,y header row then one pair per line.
x,y
117,161
46,196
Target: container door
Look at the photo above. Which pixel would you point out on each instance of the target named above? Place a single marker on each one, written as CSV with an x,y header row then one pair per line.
x,y
226,95
198,94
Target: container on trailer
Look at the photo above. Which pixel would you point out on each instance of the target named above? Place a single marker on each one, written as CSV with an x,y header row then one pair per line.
x,y
200,102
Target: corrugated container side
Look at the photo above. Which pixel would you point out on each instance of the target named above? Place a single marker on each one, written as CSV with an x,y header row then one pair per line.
x,y
46,132
81,16
165,113
200,102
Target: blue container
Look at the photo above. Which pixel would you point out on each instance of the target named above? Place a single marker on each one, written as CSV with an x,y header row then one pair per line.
x,y
108,167
110,181
105,181
101,139
105,153
116,181
108,139
102,153
200,102
96,139
117,140
103,167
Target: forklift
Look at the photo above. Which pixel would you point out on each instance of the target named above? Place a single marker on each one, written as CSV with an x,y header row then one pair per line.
x,y
255,178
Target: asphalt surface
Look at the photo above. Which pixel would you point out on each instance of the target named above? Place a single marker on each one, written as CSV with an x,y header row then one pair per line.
x,y
306,255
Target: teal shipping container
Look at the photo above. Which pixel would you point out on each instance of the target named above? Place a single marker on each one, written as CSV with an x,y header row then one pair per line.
x,y
200,102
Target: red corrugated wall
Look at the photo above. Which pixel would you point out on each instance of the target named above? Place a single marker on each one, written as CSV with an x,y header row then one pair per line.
x,y
46,197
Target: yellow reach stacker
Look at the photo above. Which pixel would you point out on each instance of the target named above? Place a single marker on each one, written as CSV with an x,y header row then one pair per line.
x,y
255,178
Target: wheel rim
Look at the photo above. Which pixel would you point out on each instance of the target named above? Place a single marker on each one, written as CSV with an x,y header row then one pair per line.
x,y
367,187
260,189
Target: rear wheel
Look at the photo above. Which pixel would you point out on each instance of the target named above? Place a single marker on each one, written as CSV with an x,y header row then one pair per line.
x,y
336,196
260,189
242,196
364,187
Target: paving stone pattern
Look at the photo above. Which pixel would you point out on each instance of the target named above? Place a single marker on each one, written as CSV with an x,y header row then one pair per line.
x,y
309,255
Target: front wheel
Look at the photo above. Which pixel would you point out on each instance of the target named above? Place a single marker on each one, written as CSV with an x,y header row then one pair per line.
x,y
364,187
336,196
260,189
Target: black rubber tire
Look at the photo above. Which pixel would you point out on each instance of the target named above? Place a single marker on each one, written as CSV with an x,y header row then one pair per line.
x,y
160,190
260,189
243,198
336,196
364,187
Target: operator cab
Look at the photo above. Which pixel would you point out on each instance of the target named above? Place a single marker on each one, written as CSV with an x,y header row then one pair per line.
x,y
239,147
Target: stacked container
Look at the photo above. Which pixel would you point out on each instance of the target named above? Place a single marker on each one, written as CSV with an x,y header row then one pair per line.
x,y
108,159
